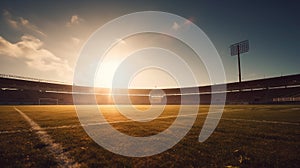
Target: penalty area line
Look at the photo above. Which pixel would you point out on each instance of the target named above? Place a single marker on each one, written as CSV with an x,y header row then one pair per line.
x,y
56,149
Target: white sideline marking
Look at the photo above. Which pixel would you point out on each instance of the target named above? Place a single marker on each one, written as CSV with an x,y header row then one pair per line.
x,y
15,131
56,149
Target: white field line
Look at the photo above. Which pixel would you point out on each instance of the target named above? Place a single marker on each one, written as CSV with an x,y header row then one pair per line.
x,y
42,129
56,149
165,117
15,131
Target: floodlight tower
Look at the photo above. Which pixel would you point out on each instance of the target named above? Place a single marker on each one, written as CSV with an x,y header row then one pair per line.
x,y
237,49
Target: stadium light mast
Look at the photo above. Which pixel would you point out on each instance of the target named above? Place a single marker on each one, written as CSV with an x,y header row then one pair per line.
x,y
237,49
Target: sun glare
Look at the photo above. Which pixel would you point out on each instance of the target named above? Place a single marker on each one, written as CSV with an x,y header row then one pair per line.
x,y
152,49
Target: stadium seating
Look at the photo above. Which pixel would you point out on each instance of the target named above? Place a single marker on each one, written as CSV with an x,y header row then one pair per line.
x,y
18,90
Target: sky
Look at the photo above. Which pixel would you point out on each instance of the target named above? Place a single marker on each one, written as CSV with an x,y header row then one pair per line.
x,y
43,39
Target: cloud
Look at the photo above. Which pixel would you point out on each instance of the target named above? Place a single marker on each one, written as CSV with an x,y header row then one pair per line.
x,y
190,21
25,23
187,23
31,50
9,19
9,49
75,40
75,19
175,26
20,23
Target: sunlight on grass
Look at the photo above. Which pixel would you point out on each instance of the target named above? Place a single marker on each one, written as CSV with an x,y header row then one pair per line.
x,y
239,140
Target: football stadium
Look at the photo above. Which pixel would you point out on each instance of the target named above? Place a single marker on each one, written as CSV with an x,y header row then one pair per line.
x,y
19,90
173,83
259,126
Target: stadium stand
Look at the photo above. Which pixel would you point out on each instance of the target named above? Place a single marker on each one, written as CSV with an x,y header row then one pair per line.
x,y
277,90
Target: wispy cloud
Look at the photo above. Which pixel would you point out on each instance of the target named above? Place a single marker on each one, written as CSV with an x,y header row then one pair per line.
x,y
188,22
75,19
75,40
21,23
28,25
31,50
9,19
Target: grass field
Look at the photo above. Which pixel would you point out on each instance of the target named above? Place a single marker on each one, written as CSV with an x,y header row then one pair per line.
x,y
247,136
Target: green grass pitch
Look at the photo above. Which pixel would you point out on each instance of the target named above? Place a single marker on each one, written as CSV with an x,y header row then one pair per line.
x,y
246,136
